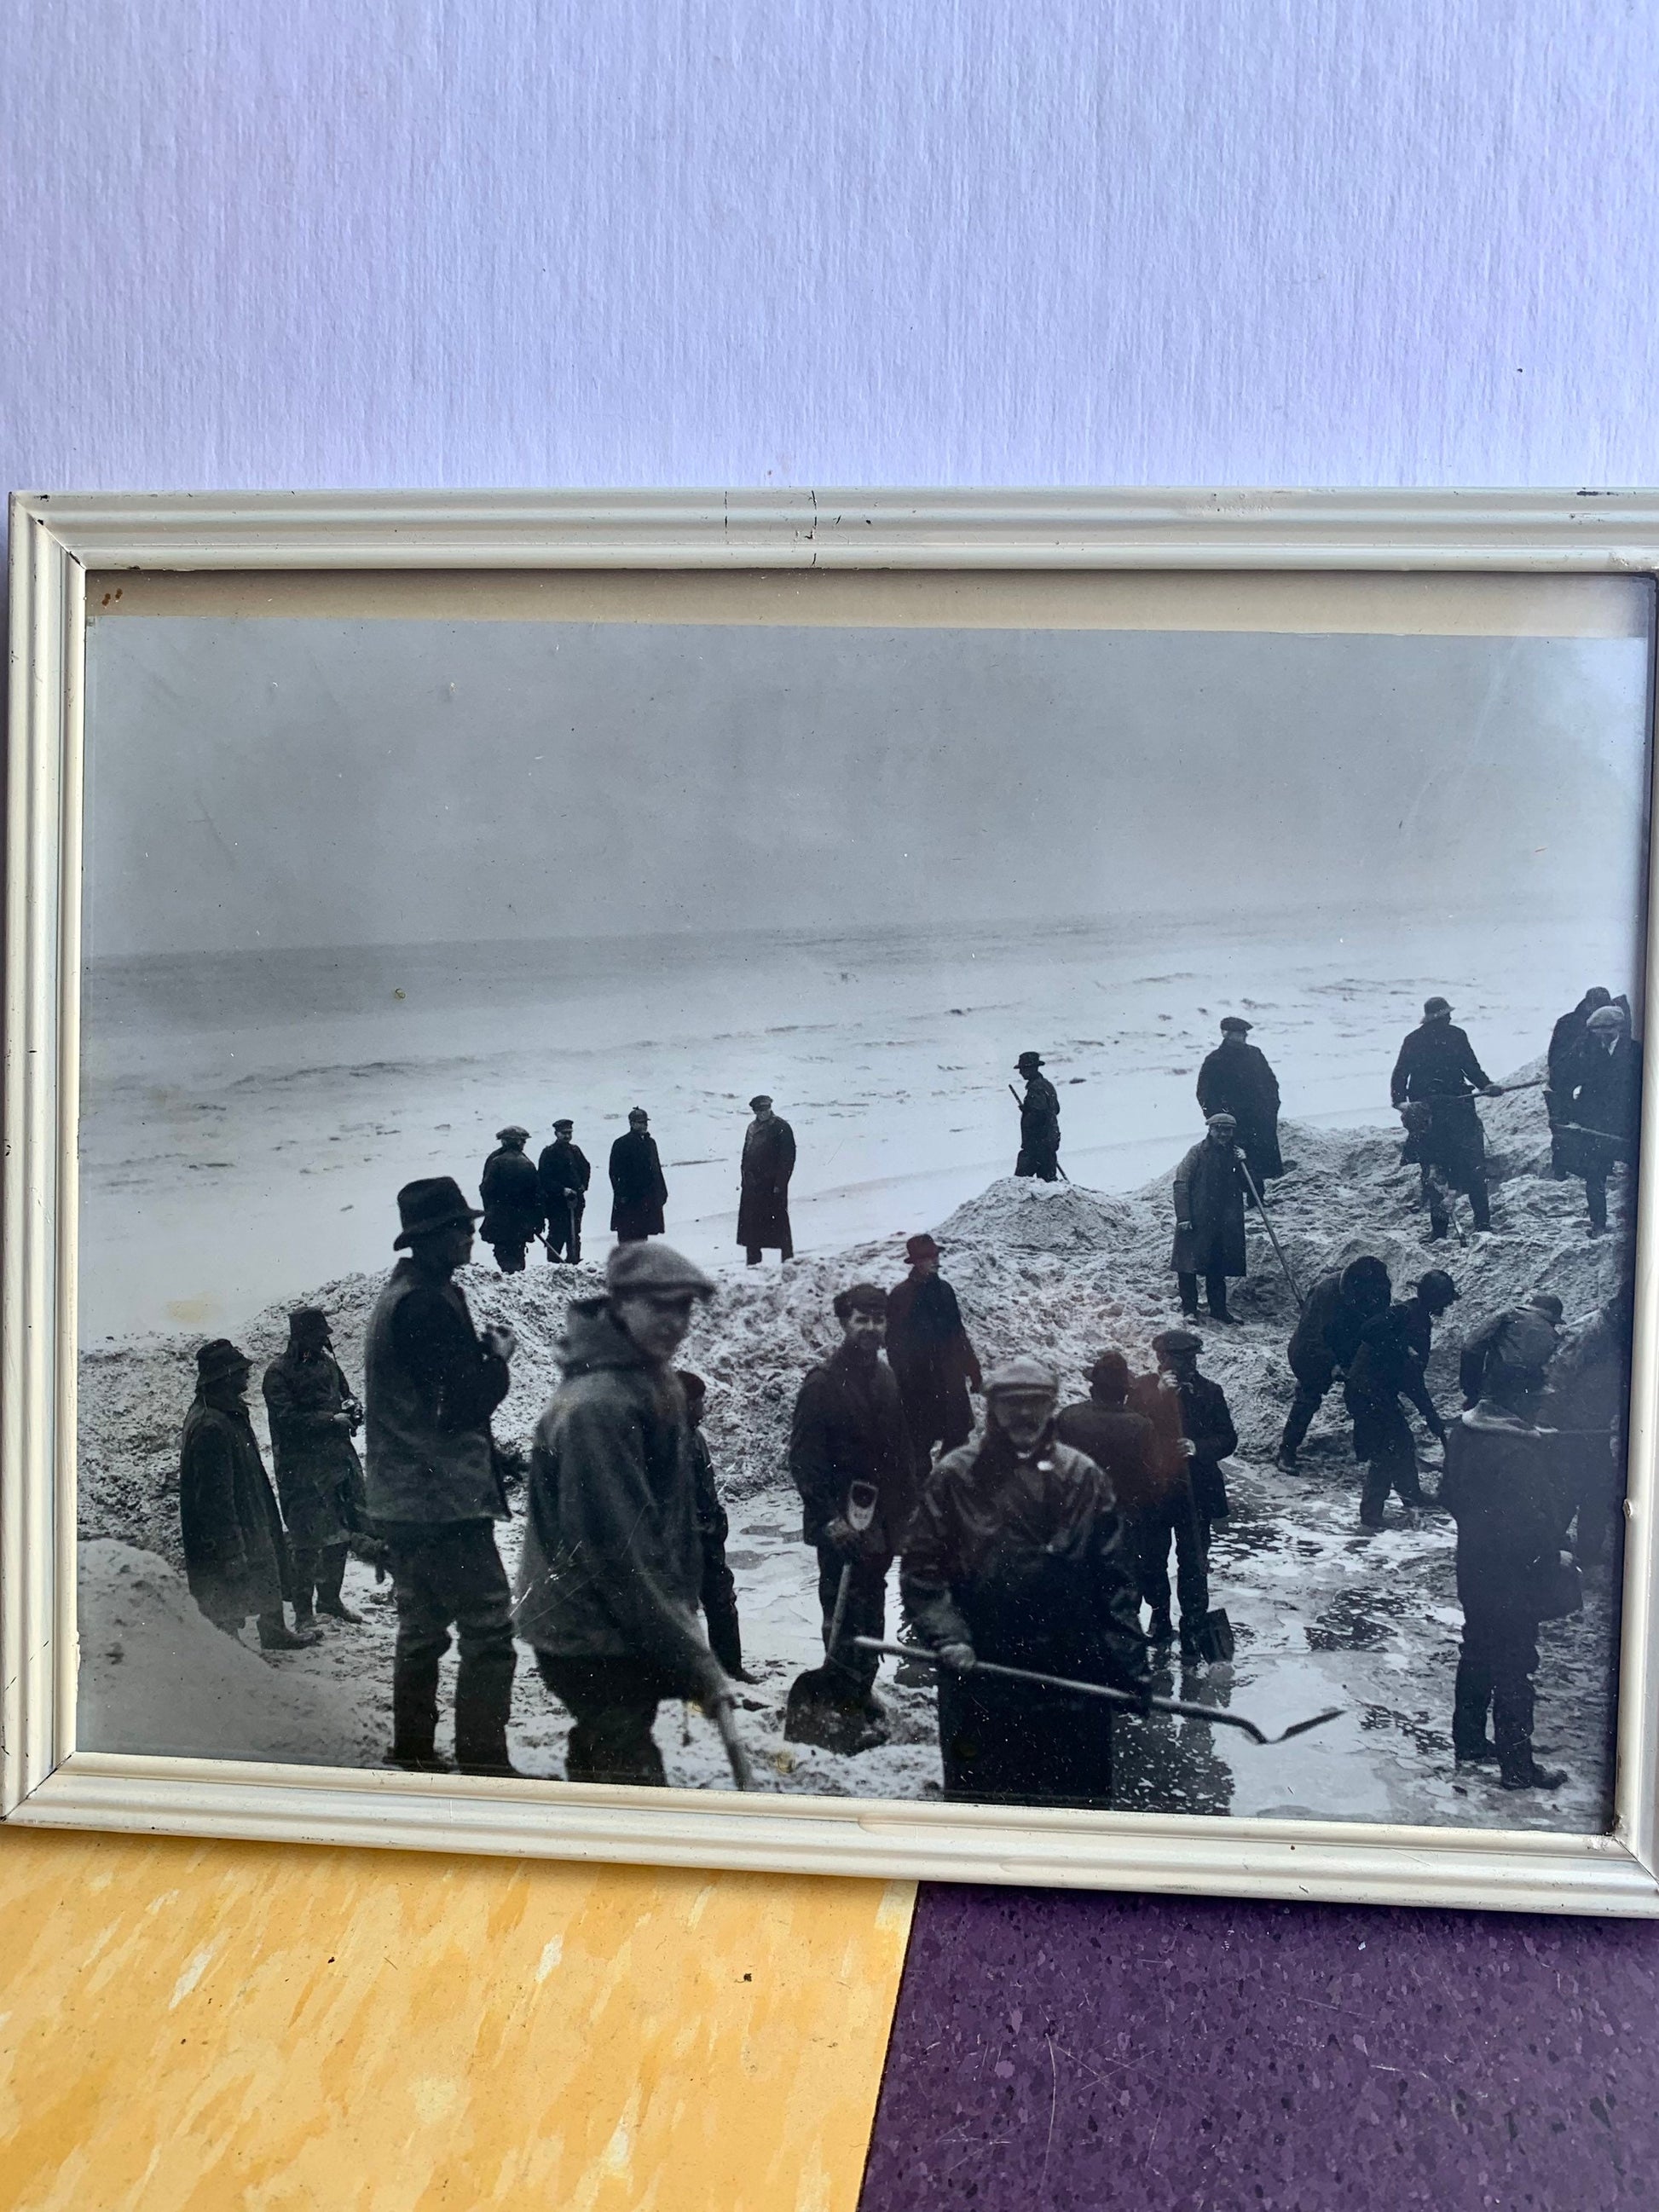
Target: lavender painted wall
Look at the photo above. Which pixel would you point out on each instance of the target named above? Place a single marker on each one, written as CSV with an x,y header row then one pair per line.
x,y
286,242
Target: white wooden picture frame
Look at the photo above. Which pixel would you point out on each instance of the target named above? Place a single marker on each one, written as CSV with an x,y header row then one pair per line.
x,y
59,542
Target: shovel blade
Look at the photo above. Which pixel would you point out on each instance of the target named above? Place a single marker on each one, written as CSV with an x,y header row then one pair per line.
x,y
1301,1727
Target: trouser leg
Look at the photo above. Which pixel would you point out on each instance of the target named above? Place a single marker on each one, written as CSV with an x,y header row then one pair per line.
x,y
1151,1533
863,1614
482,1601
720,1612
1374,1488
331,1576
1472,1693
787,1243
1514,1657
1215,1291
422,1640
751,1253
1595,1197
612,1703
1192,1571
1479,1202
1434,1194
307,1565
1187,1285
1305,1404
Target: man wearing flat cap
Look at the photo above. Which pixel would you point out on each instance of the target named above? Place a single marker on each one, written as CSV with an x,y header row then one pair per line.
x,y
849,1427
769,1160
319,1478
431,1382
1017,1556
1602,1108
511,1195
1237,1079
928,1350
1436,1080
639,1190
1152,1487
1209,1194
1192,1431
563,1174
610,1577
1039,1122
236,1553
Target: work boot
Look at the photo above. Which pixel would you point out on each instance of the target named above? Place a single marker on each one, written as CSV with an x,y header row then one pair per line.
x,y
1531,1775
275,1635
304,1621
1190,1653
1371,1521
1161,1628
338,1609
1284,1460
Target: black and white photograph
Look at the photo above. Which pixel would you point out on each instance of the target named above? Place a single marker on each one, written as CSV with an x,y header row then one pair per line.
x,y
878,1198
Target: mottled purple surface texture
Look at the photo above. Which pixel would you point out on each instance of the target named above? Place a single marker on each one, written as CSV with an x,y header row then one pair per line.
x,y
1054,2053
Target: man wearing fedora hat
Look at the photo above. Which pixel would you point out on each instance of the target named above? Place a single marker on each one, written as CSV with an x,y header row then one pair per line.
x,y
611,1574
933,1362
511,1195
235,1551
1039,1122
769,1160
1018,1555
432,1381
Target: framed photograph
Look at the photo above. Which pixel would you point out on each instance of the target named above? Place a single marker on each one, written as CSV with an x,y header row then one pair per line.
x,y
940,1185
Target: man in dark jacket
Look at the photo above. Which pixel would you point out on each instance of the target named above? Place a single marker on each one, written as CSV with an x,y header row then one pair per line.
x,y
1325,1340
511,1200
1018,1556
1039,1122
1602,1117
719,1592
769,1160
1500,1486
1209,1208
313,1417
933,1361
1437,1069
431,1382
1152,1488
1237,1079
1480,1350
1566,1048
1390,1363
1192,1426
612,1573
236,1553
562,1174
638,1192
848,1427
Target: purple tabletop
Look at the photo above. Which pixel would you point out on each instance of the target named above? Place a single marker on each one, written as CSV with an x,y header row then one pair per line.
x,y
1054,2053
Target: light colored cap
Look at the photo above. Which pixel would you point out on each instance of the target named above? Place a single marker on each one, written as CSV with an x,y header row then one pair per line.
x,y
657,1268
1606,1017
1022,1372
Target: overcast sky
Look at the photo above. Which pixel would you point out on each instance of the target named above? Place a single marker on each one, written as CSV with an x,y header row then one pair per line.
x,y
302,782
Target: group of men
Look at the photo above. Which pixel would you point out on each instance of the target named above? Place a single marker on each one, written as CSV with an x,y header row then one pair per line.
x,y
524,1202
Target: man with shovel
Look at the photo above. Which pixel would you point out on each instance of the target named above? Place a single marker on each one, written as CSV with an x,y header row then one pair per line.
x,y
848,1437
1017,1556
1436,1072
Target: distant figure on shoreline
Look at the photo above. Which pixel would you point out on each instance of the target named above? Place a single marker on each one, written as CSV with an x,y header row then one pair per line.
x,y
1039,1122
638,1191
1237,1079
563,1174
769,1160
512,1197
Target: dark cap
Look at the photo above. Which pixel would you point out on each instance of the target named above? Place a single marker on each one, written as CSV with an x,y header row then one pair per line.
x,y
1546,1302
761,1098
1109,1376
434,1202
1433,1008
513,1134
1022,1377
307,1321
654,1268
1170,1340
563,1123
1437,1287
1237,1022
860,1298
1367,1272
920,1248
638,1114
219,1358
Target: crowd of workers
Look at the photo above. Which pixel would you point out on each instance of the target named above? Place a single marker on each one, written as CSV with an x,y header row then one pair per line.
x,y
1032,1547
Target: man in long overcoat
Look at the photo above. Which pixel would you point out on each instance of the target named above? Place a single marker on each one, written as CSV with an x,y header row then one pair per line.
x,y
236,1553
563,1174
848,1427
1437,1069
769,1160
1237,1079
1326,1339
511,1200
928,1350
1602,1112
1502,1488
1152,1488
1017,1556
612,1572
319,1478
1566,1048
432,1381
1039,1122
1209,1208
638,1190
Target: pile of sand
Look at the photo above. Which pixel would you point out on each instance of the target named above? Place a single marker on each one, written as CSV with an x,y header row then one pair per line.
x,y
157,1677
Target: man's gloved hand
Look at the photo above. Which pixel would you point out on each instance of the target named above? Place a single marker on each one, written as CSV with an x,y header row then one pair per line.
x,y
958,1657
842,1536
